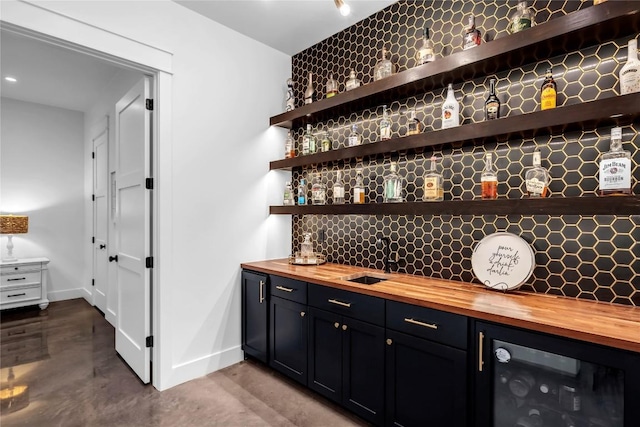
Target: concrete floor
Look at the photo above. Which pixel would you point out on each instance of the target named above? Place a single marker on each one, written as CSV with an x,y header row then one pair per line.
x,y
66,357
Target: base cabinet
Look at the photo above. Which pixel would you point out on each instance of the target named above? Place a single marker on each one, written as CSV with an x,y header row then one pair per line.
x,y
288,338
255,320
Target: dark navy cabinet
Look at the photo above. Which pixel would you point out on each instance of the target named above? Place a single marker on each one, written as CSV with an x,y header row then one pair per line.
x,y
255,320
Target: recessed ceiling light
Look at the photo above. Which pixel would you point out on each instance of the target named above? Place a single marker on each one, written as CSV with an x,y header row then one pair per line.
x,y
11,79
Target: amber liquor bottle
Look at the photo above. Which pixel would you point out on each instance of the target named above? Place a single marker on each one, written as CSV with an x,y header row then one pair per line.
x,y
548,91
492,104
489,179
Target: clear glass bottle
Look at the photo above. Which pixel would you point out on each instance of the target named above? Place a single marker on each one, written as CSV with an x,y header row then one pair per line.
x,y
472,36
450,110
384,67
332,87
548,91
318,190
492,104
353,81
289,147
433,184
308,142
385,124
302,192
310,93
288,195
338,189
354,137
393,186
537,178
291,99
615,168
306,247
523,18
358,188
414,126
325,142
630,72
489,179
426,52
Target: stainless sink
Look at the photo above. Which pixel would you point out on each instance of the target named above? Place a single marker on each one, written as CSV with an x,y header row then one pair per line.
x,y
365,278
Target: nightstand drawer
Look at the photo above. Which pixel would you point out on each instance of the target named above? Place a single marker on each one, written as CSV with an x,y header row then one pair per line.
x,y
20,294
22,278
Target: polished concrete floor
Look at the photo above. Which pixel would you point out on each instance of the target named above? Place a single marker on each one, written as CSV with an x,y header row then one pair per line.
x,y
66,359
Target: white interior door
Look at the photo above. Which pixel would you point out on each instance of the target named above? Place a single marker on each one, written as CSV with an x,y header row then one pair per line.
x,y
100,218
133,228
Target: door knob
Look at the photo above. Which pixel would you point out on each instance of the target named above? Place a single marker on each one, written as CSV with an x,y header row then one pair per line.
x,y
103,246
113,258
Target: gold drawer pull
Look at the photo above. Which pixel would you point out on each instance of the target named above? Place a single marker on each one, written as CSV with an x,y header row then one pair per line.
x,y
344,304
426,325
282,288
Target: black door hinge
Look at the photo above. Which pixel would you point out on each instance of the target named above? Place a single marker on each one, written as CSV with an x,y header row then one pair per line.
x,y
93,197
149,341
93,282
149,262
148,183
93,155
93,239
149,104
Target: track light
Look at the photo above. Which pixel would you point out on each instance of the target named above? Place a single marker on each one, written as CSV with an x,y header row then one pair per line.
x,y
342,7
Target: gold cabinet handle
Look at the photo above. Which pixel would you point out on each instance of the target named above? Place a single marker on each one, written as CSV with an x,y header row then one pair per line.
x,y
417,322
336,325
344,327
261,291
389,341
344,304
302,313
480,351
282,288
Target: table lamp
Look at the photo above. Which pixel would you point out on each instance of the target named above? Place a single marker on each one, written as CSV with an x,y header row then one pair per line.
x,y
10,225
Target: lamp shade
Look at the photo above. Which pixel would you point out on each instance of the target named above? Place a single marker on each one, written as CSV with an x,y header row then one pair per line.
x,y
14,224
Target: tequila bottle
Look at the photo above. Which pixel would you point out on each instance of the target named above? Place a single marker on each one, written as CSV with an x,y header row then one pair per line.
x,y
393,186
354,137
414,126
291,99
385,125
288,195
537,178
630,72
548,91
310,93
332,87
353,81
433,184
358,188
384,68
492,104
472,36
338,189
308,142
450,110
302,192
489,179
318,190
615,168
425,53
289,147
522,19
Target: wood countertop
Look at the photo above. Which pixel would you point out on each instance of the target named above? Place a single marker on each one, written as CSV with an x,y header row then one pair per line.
x,y
608,324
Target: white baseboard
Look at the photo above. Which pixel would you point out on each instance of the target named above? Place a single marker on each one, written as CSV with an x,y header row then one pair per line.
x,y
202,366
66,294
87,295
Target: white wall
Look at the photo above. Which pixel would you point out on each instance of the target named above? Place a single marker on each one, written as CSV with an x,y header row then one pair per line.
x,y
225,88
42,176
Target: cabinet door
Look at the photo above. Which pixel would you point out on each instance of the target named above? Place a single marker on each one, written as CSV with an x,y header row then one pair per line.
x,y
325,354
254,315
288,330
363,369
426,383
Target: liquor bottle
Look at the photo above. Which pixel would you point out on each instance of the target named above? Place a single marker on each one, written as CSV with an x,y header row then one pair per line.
x,y
291,99
450,110
289,147
393,186
615,168
385,125
354,137
425,53
306,247
548,91
630,72
384,67
358,189
492,104
310,93
489,180
414,126
537,178
472,36
338,189
308,142
318,190
522,19
302,192
288,195
332,87
533,419
325,143
433,184
353,82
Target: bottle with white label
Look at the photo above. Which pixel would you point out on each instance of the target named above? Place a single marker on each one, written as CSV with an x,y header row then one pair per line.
x,y
354,137
338,189
433,188
630,72
308,142
288,195
615,168
318,190
358,189
353,81
385,125
393,186
537,178
450,110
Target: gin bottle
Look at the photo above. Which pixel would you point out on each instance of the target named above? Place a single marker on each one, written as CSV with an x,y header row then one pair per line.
x,y
522,19
393,186
425,53
630,72
489,179
472,36
433,188
310,93
358,188
354,137
291,100
332,87
318,191
288,195
308,142
537,178
450,110
385,125
353,81
338,189
302,192
289,147
384,68
615,168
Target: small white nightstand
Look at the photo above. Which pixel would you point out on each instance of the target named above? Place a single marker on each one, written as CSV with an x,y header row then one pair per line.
x,y
24,282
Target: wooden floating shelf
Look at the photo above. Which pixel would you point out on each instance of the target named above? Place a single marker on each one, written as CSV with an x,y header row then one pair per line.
x,y
619,110
597,24
588,205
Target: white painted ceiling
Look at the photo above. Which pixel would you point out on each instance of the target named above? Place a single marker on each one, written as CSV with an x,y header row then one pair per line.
x,y
288,26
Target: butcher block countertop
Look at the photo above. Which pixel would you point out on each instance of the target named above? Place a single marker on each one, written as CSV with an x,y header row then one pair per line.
x,y
612,325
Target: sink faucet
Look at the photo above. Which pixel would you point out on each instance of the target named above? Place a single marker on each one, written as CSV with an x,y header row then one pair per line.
x,y
388,262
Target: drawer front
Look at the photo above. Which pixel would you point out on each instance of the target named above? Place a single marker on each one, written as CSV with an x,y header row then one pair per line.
x,y
363,307
12,269
21,294
293,290
21,278
435,325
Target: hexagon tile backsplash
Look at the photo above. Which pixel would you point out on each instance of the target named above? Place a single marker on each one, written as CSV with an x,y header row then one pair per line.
x,y
591,257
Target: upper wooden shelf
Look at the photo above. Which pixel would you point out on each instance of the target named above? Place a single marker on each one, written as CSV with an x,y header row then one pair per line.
x,y
597,24
613,111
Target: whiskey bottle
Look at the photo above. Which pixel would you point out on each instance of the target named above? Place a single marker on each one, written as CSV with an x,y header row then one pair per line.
x,y
522,19
393,186
288,195
414,126
325,143
318,190
489,179
353,82
338,189
537,178
630,72
332,87
354,137
450,110
289,147
548,91
615,168
425,53
310,93
358,188
492,104
433,188
291,99
385,125
302,192
308,142
472,36
384,68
